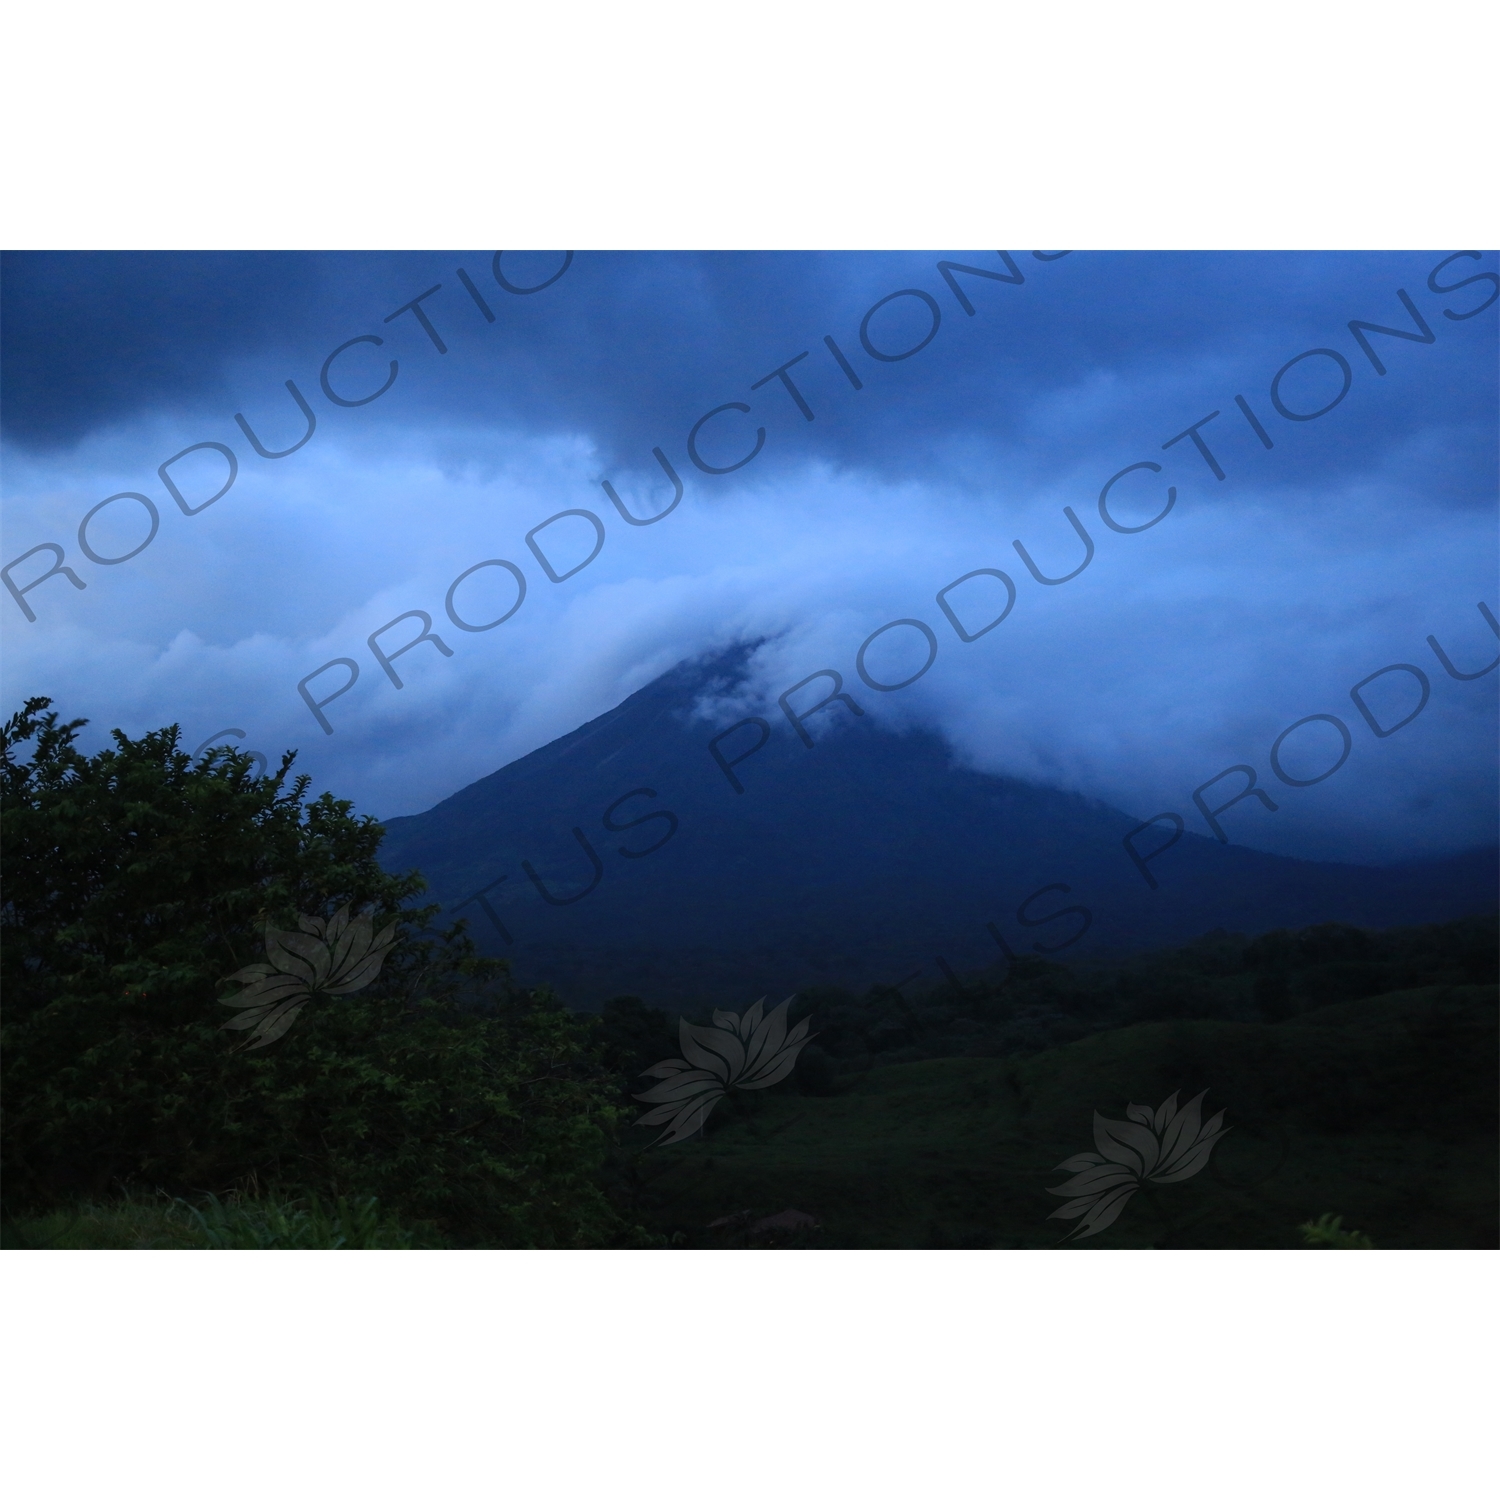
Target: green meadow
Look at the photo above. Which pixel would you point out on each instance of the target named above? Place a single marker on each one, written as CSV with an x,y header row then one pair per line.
x,y
1380,1111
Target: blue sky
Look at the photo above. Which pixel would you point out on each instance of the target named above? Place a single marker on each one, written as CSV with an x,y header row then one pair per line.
x,y
1180,650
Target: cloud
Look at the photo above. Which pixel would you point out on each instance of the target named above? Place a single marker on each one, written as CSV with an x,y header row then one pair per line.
x,y
1183,649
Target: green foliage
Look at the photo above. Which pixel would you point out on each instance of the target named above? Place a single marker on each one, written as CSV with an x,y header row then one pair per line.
x,y
1033,1004
1327,1233
634,1037
1386,1107
135,1221
262,1223
136,880
296,1225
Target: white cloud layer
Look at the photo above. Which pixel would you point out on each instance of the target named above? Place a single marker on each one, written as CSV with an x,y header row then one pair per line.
x,y
1178,652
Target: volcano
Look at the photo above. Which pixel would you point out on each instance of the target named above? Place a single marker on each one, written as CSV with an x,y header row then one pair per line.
x,y
621,858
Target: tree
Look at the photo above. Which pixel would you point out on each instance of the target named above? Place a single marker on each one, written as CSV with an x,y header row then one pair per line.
x,y
137,880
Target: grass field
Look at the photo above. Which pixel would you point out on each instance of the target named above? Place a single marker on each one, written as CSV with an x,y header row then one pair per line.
x,y
1382,1111
158,1222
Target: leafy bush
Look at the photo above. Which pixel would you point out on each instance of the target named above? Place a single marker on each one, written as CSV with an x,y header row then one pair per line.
x,y
136,880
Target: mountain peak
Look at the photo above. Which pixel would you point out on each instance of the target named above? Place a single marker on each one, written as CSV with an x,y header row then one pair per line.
x,y
621,857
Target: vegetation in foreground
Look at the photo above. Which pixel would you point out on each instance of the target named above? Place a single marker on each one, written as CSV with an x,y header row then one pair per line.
x,y
1377,1114
240,1223
137,880
442,1105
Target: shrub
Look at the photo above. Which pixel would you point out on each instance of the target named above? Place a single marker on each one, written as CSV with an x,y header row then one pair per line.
x,y
136,880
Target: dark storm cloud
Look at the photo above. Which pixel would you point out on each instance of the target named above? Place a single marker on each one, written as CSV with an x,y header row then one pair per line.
x,y
632,349
92,338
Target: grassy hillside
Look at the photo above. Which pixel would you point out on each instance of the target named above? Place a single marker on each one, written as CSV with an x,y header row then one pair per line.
x,y
1356,1070
1381,1110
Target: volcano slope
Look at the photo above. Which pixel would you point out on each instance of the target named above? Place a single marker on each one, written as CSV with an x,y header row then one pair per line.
x,y
621,859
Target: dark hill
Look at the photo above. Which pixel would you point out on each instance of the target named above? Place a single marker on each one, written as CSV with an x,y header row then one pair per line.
x,y
1381,1110
855,862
